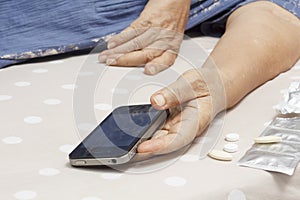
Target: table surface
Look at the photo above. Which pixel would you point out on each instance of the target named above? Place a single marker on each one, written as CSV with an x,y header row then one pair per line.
x,y
48,107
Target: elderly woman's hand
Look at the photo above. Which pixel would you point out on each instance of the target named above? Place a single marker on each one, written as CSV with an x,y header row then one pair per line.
x,y
152,40
197,96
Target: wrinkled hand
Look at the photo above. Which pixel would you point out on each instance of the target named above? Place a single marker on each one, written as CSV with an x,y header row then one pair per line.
x,y
200,95
152,40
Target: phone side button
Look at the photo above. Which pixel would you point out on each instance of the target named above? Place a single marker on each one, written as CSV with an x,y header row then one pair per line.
x,y
80,162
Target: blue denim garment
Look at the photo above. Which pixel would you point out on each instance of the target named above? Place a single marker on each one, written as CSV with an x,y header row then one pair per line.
x,y
213,16
39,28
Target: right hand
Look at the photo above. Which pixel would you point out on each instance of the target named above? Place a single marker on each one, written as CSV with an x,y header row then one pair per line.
x,y
200,95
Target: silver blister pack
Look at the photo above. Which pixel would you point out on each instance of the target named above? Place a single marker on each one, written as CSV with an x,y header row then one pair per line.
x,y
287,123
270,161
287,148
291,100
285,134
280,157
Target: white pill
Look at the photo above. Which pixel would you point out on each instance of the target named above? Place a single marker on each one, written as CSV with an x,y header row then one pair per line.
x,y
220,155
230,148
232,137
267,139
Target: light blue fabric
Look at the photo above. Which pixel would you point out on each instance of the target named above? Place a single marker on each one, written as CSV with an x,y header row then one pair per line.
x,y
43,27
40,28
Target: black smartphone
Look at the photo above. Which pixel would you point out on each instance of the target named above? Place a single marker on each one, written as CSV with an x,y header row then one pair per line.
x,y
115,140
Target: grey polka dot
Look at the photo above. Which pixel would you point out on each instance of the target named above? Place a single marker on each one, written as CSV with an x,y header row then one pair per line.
x,y
236,195
52,101
5,97
68,86
103,106
49,172
22,84
56,62
40,71
175,181
12,140
33,119
25,195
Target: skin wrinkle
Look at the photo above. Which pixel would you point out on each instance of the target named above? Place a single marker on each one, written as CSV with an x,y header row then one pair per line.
x,y
172,26
233,21
168,19
256,47
197,83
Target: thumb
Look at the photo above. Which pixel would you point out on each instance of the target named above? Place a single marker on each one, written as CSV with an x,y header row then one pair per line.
x,y
188,86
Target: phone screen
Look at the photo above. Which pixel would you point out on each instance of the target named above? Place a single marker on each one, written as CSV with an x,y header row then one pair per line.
x,y
117,133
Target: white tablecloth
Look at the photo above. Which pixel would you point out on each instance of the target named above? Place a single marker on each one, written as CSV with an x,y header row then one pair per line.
x,y
39,127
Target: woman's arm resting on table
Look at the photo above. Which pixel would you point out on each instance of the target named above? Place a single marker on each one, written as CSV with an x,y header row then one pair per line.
x,y
153,39
261,41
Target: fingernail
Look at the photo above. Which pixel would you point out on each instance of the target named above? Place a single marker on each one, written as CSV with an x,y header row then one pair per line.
x,y
152,69
111,61
111,45
159,100
102,59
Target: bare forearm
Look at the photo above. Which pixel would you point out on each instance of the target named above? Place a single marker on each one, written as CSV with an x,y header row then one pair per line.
x,y
261,41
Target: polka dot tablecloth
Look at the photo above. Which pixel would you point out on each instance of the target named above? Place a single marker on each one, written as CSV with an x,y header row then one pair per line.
x,y
48,107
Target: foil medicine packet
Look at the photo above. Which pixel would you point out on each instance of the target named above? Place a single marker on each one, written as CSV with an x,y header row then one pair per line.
x,y
291,136
286,123
291,100
270,161
280,157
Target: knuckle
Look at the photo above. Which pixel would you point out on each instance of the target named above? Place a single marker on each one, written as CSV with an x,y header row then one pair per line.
x,y
135,31
149,56
171,95
145,23
195,81
121,37
139,27
126,60
171,59
137,44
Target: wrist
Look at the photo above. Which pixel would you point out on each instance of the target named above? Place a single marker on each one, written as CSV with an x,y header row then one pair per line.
x,y
216,85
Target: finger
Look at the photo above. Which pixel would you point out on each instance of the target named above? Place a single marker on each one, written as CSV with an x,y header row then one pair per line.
x,y
156,145
194,119
188,86
160,63
159,133
111,59
153,50
141,156
135,58
179,135
140,42
126,35
154,38
172,120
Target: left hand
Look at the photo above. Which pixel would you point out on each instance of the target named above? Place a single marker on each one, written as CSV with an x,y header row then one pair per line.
x,y
152,40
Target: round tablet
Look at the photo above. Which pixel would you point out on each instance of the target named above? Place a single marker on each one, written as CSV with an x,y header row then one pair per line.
x,y
220,155
230,148
232,137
